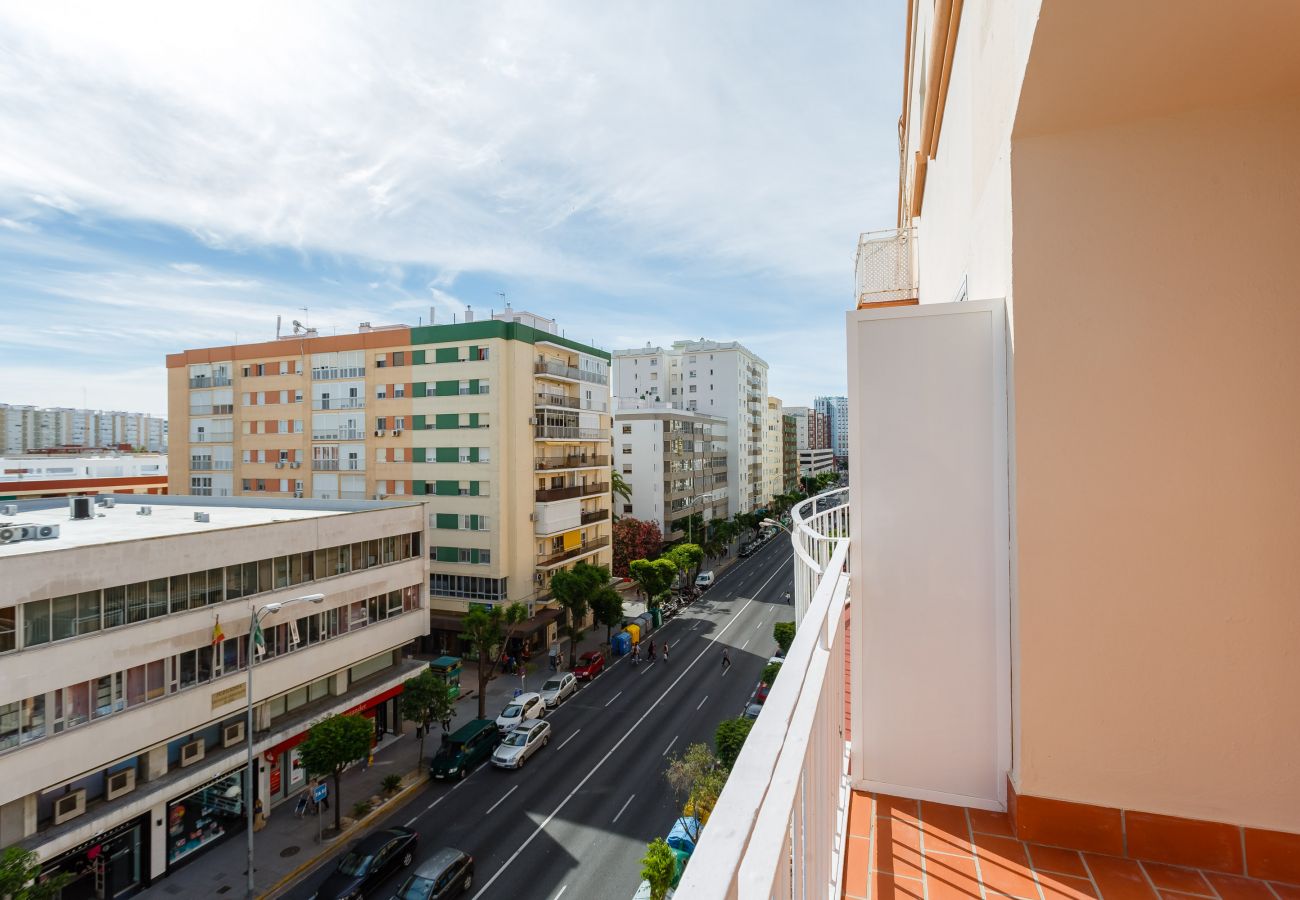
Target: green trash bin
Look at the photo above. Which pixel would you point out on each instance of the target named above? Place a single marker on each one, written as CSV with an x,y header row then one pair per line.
x,y
658,615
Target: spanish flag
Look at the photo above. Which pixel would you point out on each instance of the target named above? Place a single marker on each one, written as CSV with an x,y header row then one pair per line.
x,y
217,634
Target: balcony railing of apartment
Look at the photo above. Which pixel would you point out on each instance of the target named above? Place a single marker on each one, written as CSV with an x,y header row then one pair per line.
x,y
208,464
332,374
599,515
546,495
887,265
338,465
560,400
339,403
569,433
213,409
578,461
778,829
560,370
211,437
341,434
207,381
551,559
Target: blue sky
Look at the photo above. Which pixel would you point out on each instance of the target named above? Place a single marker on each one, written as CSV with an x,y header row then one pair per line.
x,y
176,176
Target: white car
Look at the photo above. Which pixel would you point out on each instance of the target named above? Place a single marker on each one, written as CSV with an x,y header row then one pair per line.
x,y
523,742
521,709
558,689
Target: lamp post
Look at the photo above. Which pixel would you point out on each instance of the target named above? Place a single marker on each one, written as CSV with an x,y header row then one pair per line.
x,y
254,620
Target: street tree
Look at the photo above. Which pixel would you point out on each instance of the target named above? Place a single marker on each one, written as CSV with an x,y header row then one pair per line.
x,y
20,877
426,699
783,634
331,746
654,577
574,589
729,737
659,867
634,539
607,605
686,557
696,780
486,632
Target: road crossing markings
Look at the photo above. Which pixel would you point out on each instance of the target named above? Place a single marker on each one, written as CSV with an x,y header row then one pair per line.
x,y
566,741
612,699
706,697
670,745
620,812
482,891
502,800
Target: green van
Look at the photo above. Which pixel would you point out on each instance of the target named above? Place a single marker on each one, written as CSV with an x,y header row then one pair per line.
x,y
465,748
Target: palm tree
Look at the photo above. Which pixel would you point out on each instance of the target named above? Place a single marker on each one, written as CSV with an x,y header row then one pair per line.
x,y
618,486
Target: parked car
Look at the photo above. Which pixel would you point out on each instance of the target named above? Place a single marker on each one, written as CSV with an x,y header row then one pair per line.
x,y
590,664
748,550
704,580
521,743
447,873
369,863
521,709
760,694
752,710
559,688
465,748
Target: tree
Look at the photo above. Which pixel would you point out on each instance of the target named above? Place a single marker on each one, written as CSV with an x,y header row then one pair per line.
x,y
696,781
607,605
573,590
332,745
770,672
654,577
746,521
729,737
634,539
426,699
619,487
20,877
486,631
659,867
783,634
686,557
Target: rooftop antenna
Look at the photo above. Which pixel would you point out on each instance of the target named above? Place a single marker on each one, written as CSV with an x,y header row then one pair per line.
x,y
277,328
502,295
305,317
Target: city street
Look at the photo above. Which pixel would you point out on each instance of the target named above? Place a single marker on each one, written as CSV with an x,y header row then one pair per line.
x,y
576,819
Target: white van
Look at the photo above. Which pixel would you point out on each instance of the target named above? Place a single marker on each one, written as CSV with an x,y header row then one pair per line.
x,y
704,580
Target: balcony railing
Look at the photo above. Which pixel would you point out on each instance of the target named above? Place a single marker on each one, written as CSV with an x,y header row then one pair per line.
x,y
887,265
569,462
207,464
211,437
599,515
212,409
338,465
546,495
569,433
554,558
560,400
332,374
778,829
339,403
208,381
341,434
560,370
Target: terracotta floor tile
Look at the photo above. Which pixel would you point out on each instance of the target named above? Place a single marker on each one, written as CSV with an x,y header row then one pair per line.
x,y
945,827
856,865
1119,879
1178,879
889,887
1175,895
1057,860
898,859
895,833
1286,891
1004,866
1066,887
898,808
951,878
860,814
1234,887
986,822
997,846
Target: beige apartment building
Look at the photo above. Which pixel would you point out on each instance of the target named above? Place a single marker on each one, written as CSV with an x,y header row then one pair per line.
x,y
501,425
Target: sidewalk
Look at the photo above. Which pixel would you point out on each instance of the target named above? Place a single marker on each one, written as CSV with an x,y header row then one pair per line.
x,y
287,842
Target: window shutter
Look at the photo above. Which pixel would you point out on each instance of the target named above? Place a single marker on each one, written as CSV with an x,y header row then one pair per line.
x,y
446,488
418,389
417,487
447,420
446,388
447,354
448,520
417,357
473,417
417,422
446,454
417,455
473,454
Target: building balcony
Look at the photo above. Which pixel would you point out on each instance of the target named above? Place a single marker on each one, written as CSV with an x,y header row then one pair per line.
x,y
569,433
546,495
338,465
544,399
334,374
554,559
598,515
568,373
213,409
887,266
211,437
210,381
339,403
207,464
580,461
342,434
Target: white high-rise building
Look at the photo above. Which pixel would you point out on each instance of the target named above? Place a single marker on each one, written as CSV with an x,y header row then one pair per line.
x,y
836,411
800,414
773,471
723,379
25,428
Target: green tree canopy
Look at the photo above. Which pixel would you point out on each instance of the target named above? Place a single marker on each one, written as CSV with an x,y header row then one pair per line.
x,y
729,737
426,699
332,744
696,780
486,631
607,605
654,578
659,867
783,634
20,874
574,589
685,557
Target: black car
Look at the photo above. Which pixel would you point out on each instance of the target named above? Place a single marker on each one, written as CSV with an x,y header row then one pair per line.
x,y
369,863
448,873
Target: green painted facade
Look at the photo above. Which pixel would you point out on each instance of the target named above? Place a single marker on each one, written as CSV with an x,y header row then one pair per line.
x,y
487,330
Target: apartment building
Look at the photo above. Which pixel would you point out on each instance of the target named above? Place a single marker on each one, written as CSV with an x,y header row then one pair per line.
x,y
722,379
501,425
39,475
789,453
833,425
27,428
124,646
773,450
815,462
1072,520
674,461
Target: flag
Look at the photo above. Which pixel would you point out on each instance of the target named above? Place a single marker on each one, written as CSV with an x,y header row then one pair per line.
x,y
259,640
217,634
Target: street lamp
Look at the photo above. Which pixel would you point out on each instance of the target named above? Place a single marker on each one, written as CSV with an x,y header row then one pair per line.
x,y
254,618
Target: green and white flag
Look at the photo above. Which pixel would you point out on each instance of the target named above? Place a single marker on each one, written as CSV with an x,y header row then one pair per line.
x,y
259,640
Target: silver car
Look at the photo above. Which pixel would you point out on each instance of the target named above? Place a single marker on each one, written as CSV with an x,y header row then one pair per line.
x,y
521,743
558,689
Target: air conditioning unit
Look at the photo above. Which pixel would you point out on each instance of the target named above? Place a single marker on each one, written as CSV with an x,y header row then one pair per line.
x,y
232,734
202,517
532,420
45,532
119,783
397,433
109,502
295,465
144,511
279,465
12,534
69,806
380,433
9,509
298,494
191,753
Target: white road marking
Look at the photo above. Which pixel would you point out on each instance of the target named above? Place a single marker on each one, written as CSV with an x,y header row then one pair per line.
x,y
561,893
670,745
566,740
621,809
744,645
612,750
612,699
502,800
411,821
647,668
706,697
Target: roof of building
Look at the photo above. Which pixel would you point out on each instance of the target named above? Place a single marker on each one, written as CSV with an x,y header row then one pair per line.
x,y
169,516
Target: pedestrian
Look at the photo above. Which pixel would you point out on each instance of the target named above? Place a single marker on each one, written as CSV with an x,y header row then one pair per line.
x,y
259,816
665,651
636,654
652,651
300,808
726,660
446,723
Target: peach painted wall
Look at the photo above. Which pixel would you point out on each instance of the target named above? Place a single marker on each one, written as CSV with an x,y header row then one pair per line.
x,y
1157,435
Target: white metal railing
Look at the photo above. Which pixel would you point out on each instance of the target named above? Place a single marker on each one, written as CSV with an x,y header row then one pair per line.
x,y
778,829
817,525
886,266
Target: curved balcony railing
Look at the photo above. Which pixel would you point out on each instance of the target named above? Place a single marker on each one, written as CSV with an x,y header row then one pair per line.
x,y
818,524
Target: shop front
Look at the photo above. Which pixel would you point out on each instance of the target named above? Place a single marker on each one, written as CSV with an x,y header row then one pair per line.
x,y
111,865
205,817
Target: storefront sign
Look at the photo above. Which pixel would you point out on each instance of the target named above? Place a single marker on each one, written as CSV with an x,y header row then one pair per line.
x,y
229,695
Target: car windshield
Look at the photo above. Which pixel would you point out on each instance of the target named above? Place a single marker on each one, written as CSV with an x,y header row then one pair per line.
x,y
586,658
552,685
416,888
355,863
512,711
516,739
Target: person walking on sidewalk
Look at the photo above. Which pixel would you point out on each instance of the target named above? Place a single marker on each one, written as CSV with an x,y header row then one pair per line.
x,y
726,661
636,654
300,808
652,651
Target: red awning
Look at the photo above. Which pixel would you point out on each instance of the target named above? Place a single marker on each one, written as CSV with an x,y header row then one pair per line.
x,y
297,739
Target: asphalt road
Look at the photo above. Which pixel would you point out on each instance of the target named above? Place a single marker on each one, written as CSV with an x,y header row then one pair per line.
x,y
575,820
